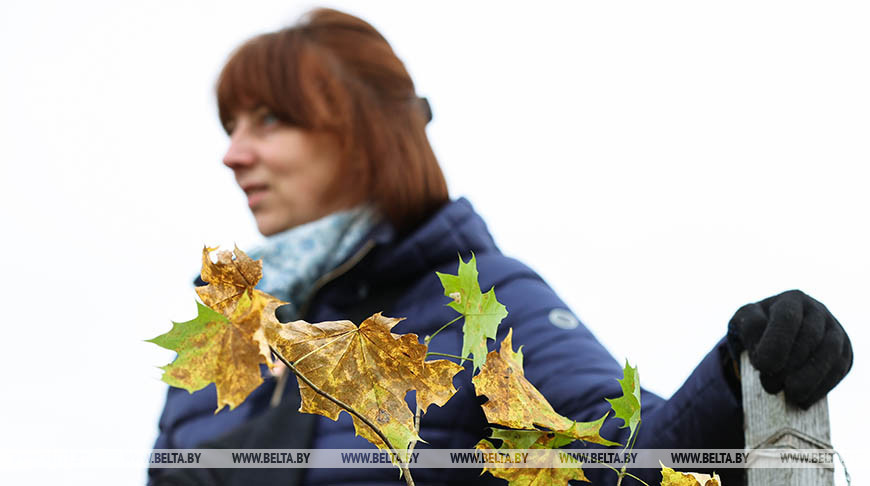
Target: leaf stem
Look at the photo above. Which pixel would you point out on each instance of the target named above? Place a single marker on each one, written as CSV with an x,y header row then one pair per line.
x,y
636,478
460,358
634,441
623,473
629,444
406,472
429,338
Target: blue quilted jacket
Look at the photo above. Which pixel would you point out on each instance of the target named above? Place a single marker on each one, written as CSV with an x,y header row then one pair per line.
x,y
562,359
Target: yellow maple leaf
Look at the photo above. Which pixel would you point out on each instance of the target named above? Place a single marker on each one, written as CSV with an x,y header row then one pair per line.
x,y
213,348
677,478
514,402
549,473
227,278
230,278
367,367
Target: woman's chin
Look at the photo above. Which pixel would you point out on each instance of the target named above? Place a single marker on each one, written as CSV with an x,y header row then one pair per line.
x,y
268,227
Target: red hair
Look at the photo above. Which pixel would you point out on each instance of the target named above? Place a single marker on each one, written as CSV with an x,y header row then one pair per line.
x,y
334,72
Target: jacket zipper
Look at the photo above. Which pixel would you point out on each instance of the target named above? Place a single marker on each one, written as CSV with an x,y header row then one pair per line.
x,y
319,284
334,274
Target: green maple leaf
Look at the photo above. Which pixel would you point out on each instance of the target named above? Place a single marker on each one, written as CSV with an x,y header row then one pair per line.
x,y
627,407
482,312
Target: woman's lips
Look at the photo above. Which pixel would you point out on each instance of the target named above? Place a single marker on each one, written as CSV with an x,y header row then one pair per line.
x,y
255,193
255,197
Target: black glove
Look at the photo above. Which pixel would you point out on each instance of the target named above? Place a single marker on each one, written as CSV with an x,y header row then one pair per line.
x,y
796,344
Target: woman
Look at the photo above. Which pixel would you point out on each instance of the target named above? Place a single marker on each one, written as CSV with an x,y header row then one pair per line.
x,y
327,139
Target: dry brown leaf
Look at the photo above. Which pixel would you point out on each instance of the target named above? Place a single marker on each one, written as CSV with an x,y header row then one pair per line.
x,y
227,279
231,277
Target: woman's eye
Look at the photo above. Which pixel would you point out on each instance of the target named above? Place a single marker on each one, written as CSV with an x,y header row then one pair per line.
x,y
268,119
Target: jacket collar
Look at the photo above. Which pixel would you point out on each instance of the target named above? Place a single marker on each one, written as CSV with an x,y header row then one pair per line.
x,y
453,230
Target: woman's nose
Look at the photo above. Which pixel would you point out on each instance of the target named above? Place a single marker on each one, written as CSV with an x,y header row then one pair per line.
x,y
239,154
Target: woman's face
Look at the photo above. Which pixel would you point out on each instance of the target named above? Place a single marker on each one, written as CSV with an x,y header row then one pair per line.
x,y
285,171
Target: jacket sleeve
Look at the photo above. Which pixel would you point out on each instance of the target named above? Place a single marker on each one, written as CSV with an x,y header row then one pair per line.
x,y
576,373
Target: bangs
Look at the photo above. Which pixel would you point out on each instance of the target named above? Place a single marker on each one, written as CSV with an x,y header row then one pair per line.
x,y
267,71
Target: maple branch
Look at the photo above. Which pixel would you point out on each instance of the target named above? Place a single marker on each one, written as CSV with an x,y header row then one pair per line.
x,y
406,472
429,338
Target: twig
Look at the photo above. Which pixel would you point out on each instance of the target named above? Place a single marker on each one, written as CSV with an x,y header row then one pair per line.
x,y
405,470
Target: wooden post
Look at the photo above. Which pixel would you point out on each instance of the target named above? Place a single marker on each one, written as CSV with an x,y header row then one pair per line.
x,y
770,422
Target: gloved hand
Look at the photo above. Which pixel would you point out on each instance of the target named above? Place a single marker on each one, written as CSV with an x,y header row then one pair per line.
x,y
796,344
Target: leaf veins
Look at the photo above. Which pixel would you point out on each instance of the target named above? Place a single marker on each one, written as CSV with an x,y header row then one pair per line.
x,y
514,402
549,473
213,348
483,312
369,368
627,407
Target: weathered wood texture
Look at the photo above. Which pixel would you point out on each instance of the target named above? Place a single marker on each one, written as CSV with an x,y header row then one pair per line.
x,y
769,422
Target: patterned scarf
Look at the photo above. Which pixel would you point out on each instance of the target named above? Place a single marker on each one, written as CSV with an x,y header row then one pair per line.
x,y
294,259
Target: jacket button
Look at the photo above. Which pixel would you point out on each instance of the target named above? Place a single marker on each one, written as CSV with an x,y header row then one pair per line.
x,y
563,318
362,291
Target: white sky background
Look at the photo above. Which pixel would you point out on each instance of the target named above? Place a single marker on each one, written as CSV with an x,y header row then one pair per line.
x,y
659,164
